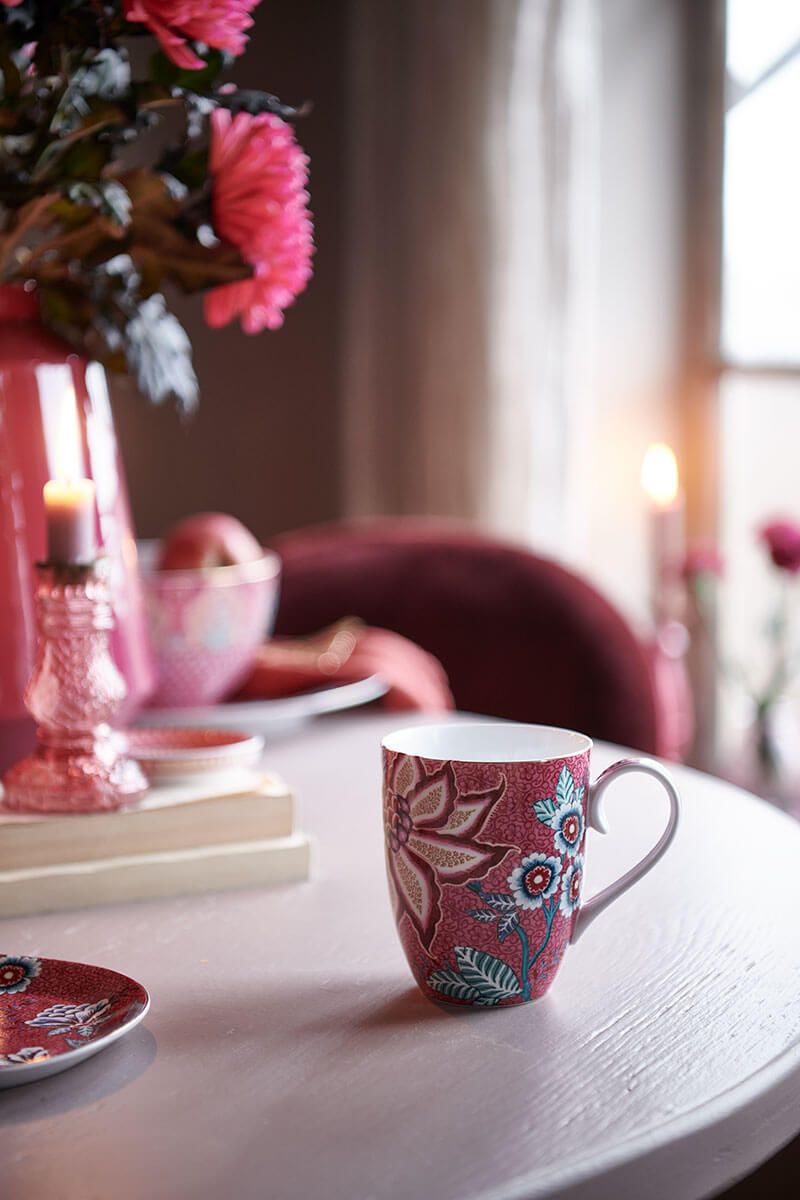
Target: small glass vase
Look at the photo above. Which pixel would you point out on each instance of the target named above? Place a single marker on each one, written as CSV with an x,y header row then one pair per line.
x,y
769,763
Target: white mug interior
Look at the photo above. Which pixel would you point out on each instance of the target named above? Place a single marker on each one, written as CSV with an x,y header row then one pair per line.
x,y
495,742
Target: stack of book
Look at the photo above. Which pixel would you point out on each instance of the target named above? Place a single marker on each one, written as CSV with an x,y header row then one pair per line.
x,y
235,830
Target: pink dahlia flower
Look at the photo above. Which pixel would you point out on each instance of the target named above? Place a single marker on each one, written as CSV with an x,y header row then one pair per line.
x,y
260,205
219,23
782,539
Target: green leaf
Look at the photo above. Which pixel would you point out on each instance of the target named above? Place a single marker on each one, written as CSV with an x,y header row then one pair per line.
x,y
251,101
190,168
62,306
546,811
450,984
159,352
507,924
565,787
493,979
162,70
85,160
482,914
107,195
107,75
162,252
11,78
100,116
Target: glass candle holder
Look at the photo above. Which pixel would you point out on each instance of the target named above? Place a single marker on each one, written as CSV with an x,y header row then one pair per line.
x,y
80,763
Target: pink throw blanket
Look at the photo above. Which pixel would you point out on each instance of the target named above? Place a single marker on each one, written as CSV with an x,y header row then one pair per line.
x,y
344,653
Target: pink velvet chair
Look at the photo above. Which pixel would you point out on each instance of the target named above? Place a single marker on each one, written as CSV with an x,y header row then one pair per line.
x,y
519,636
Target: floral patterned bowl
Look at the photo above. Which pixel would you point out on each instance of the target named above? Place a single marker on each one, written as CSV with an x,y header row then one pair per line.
x,y
54,1014
177,755
206,626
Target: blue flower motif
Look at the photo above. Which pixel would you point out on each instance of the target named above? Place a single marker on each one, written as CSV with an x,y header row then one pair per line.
x,y
535,880
82,1019
569,826
571,886
16,973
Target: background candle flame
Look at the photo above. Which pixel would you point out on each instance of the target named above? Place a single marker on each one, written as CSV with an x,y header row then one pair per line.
x,y
660,474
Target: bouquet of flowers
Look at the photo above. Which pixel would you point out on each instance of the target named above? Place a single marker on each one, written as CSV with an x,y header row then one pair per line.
x,y
703,569
101,219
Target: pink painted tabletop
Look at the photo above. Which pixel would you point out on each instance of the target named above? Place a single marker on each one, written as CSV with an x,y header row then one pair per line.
x,y
287,1053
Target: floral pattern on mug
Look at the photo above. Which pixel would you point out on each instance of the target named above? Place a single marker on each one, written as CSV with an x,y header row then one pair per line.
x,y
564,813
431,831
569,828
542,882
535,880
571,887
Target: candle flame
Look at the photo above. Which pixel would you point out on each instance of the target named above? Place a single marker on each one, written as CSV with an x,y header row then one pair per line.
x,y
660,474
67,447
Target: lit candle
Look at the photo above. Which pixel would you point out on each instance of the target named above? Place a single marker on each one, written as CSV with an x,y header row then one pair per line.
x,y
69,499
69,509
662,486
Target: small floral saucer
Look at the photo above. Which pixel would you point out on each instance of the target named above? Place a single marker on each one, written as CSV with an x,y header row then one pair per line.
x,y
176,755
54,1014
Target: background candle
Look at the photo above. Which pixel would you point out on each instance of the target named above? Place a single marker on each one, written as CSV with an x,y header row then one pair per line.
x,y
666,531
70,514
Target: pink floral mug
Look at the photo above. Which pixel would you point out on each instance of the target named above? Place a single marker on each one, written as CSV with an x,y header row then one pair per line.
x,y
485,829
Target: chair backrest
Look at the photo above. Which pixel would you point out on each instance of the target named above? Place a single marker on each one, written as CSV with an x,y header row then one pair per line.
x,y
519,636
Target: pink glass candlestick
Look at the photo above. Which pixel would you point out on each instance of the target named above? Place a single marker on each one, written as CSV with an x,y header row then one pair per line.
x,y
79,764
38,375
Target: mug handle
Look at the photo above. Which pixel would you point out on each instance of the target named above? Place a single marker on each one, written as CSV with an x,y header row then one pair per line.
x,y
595,817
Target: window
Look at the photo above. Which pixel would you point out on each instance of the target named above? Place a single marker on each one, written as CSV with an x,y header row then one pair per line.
x,y
759,363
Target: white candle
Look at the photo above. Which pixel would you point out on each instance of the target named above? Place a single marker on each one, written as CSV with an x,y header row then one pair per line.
x,y
661,484
69,497
70,513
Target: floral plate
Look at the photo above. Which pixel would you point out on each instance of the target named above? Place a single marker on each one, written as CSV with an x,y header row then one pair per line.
x,y
54,1014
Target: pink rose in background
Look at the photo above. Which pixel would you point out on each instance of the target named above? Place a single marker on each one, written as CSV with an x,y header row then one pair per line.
x,y
782,539
221,24
702,559
260,205
11,3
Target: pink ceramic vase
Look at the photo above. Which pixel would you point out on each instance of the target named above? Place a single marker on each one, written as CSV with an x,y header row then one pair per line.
x,y
36,371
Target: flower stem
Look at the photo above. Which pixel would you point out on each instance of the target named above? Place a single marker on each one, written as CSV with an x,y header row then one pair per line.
x,y
526,954
549,915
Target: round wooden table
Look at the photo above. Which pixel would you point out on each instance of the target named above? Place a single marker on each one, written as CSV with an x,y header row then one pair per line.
x,y
288,1055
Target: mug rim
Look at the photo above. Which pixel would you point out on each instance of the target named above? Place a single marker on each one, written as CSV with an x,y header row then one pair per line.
x,y
443,728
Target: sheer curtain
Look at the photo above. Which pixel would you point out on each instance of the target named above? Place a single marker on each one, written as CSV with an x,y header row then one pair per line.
x,y
470,210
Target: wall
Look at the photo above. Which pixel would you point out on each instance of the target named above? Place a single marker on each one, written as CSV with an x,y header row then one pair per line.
x,y
639,270
262,444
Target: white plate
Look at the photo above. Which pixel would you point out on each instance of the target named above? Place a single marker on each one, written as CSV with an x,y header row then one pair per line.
x,y
271,717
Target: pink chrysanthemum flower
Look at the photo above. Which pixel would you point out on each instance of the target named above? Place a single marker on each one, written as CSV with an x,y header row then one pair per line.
x,y
219,23
260,205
